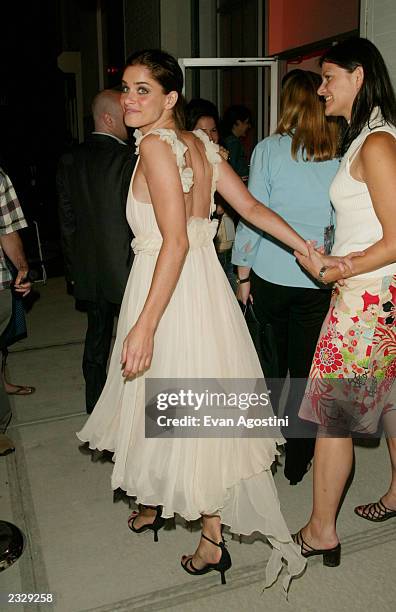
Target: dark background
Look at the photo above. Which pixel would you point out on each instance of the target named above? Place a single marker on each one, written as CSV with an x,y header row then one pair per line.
x,y
34,97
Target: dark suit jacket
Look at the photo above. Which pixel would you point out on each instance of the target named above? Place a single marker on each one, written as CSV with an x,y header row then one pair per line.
x,y
93,181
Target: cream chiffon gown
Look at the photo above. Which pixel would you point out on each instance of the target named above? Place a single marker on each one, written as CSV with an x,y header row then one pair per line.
x,y
202,334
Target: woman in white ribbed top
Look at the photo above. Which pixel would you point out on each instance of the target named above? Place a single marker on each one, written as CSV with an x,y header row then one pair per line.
x,y
351,388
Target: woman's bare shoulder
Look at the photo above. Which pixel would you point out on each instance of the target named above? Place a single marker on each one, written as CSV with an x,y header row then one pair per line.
x,y
153,142
379,142
378,157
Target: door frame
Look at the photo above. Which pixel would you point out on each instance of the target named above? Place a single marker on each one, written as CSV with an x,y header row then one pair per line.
x,y
240,62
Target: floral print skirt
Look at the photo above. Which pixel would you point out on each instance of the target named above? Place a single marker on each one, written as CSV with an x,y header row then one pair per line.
x,y
351,384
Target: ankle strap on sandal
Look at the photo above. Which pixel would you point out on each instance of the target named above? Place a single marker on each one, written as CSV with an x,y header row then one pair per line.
x,y
220,544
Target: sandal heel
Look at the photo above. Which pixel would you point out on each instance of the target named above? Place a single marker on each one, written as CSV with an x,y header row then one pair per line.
x,y
155,526
222,566
332,558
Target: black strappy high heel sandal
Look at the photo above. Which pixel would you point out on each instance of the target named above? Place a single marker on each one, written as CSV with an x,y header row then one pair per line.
x,y
222,566
376,512
155,526
331,556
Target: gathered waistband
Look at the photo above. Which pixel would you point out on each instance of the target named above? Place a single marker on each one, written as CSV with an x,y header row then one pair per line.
x,y
200,232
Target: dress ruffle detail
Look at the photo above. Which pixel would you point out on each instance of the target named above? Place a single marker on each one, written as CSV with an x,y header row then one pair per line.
x,y
187,179
212,149
255,508
200,232
213,156
178,148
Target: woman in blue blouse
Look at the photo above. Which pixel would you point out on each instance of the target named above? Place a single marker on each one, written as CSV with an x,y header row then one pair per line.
x,y
290,172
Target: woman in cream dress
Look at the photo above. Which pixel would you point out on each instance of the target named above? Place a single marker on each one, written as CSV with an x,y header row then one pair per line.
x,y
170,327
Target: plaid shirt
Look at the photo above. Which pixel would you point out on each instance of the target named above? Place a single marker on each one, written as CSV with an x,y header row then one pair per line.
x,y
11,220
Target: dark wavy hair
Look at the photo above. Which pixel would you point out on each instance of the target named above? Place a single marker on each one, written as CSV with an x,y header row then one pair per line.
x,y
376,89
164,69
236,112
197,108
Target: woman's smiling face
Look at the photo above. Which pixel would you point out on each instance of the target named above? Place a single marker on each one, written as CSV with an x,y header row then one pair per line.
x,y
339,88
143,100
208,125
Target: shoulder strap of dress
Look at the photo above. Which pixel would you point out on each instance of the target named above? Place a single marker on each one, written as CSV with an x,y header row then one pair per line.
x,y
178,148
356,149
214,158
211,148
168,136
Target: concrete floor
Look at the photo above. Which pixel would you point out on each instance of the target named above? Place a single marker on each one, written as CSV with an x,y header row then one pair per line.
x,y
78,546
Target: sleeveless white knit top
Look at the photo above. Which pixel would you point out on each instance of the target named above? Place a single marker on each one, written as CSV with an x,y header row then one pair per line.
x,y
357,225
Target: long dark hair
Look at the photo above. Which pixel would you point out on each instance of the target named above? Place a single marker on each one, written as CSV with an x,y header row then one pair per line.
x,y
302,117
166,71
376,89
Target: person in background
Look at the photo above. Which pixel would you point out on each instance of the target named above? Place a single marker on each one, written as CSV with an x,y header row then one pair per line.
x,y
11,220
237,121
290,172
203,115
16,330
351,389
93,181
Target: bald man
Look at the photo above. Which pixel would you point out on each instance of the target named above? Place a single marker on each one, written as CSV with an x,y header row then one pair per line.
x,y
93,181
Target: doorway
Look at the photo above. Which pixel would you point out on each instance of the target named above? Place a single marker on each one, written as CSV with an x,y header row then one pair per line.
x,y
252,82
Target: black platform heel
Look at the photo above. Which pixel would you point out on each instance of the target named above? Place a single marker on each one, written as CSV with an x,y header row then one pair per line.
x,y
331,556
222,566
155,526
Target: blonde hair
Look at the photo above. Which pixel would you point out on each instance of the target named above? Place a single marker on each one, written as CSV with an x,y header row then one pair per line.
x,y
314,136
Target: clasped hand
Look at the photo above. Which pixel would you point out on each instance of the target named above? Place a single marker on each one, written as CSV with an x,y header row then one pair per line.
x,y
316,260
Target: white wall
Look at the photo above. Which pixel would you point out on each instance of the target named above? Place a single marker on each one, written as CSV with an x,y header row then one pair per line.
x,y
378,23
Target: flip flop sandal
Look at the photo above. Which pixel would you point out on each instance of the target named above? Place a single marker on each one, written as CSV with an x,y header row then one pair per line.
x,y
22,390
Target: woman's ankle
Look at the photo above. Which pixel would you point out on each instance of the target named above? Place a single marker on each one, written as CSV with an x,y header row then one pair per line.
x,y
389,499
211,527
147,510
322,531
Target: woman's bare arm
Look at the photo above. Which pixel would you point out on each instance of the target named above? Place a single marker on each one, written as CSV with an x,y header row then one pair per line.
x,y
161,173
230,186
377,168
377,159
